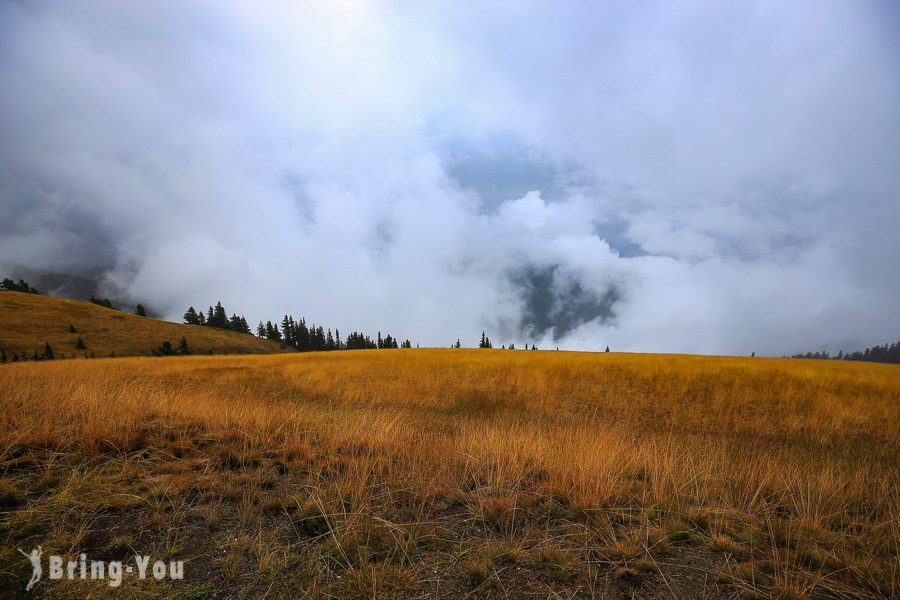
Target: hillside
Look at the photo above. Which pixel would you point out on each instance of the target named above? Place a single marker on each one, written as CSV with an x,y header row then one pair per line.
x,y
27,321
456,473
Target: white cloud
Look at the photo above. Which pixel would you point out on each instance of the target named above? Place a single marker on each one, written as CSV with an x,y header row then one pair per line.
x,y
294,158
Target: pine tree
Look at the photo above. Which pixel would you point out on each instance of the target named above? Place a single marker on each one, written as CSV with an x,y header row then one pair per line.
x,y
72,329
80,344
183,347
485,341
191,317
287,330
201,318
48,351
260,330
165,349
220,318
139,310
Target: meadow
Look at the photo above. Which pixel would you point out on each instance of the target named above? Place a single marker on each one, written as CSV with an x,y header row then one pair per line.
x,y
457,473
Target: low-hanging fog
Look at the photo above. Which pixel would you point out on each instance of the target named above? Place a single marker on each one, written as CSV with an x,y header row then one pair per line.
x,y
715,177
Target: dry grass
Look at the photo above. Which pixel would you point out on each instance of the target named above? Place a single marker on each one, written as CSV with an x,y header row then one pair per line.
x,y
27,321
388,473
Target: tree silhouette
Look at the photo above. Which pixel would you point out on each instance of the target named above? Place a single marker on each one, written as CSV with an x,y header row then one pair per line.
x,y
485,341
191,317
8,285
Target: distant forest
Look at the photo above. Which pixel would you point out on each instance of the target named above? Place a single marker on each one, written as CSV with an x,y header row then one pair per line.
x,y
880,354
294,333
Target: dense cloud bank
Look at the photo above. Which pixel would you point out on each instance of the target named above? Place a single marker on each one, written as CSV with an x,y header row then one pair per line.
x,y
711,177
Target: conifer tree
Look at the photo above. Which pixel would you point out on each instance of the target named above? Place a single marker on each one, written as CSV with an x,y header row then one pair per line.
x,y
139,310
221,317
191,317
287,330
72,329
48,351
183,347
485,341
80,344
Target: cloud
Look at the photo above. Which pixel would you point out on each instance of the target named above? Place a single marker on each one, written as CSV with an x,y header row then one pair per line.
x,y
705,178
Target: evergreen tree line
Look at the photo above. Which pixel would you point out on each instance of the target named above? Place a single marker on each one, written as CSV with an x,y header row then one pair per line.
x,y
8,285
889,353
217,317
47,354
305,337
294,333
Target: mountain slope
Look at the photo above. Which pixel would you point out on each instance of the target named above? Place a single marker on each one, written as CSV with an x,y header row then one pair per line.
x,y
27,321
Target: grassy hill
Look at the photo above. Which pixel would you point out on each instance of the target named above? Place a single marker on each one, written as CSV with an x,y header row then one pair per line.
x,y
456,473
27,321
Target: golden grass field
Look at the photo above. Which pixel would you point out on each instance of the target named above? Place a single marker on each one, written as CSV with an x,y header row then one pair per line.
x,y
458,473
27,321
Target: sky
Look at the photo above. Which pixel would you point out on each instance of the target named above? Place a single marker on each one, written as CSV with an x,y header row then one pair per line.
x,y
704,177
